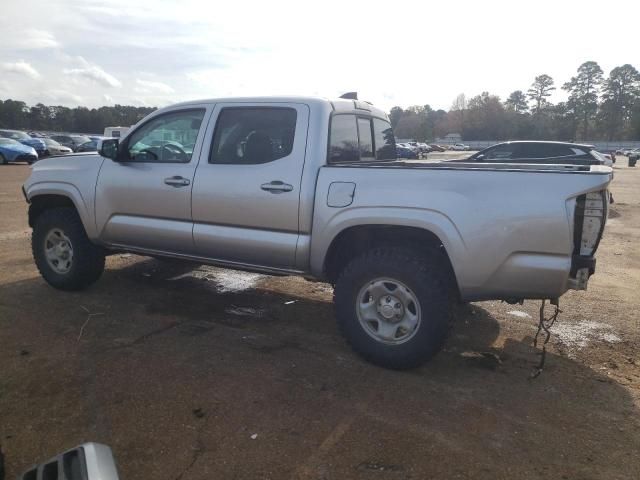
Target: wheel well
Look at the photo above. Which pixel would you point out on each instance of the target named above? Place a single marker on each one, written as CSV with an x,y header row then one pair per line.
x,y
40,203
355,240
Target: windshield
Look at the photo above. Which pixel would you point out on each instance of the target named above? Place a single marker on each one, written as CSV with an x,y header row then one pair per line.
x,y
15,135
8,141
51,142
80,139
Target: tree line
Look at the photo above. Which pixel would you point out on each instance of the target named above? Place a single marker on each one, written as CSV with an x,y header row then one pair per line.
x,y
597,108
17,115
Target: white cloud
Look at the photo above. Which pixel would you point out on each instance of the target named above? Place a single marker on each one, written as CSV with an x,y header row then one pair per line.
x,y
190,49
147,86
15,37
108,98
34,38
20,68
94,73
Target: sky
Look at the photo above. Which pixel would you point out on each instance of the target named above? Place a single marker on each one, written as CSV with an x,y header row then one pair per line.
x,y
157,52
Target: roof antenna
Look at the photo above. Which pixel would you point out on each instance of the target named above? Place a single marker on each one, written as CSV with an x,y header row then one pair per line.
x,y
350,96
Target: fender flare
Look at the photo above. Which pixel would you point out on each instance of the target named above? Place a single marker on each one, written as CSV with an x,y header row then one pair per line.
x,y
429,220
69,191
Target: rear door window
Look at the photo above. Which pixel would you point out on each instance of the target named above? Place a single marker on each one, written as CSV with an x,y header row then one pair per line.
x,y
253,135
343,145
385,142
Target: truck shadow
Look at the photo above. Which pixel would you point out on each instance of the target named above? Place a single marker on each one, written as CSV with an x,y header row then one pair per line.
x,y
179,342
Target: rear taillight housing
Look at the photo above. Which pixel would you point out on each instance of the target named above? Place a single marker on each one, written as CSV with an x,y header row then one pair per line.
x,y
590,218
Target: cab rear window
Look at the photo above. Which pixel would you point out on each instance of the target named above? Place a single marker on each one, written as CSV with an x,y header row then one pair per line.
x,y
355,138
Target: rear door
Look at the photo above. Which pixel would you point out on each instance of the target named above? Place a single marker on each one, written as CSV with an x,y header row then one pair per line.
x,y
144,199
246,192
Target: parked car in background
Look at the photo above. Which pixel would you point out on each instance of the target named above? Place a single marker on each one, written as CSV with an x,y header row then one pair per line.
x,y
541,152
634,154
91,146
437,148
13,151
408,146
424,147
71,141
460,147
405,152
419,147
37,135
609,158
36,143
54,148
115,132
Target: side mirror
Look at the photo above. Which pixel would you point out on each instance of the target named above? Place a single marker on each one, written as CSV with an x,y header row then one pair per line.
x,y
109,148
89,461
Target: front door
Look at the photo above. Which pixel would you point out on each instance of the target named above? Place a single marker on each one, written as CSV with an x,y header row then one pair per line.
x,y
247,188
143,200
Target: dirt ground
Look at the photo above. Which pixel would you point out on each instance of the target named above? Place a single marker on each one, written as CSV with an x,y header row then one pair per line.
x,y
193,372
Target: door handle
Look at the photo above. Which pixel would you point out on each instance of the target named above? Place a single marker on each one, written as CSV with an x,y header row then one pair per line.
x,y
177,181
276,186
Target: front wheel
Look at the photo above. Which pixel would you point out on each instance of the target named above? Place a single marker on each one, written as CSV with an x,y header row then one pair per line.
x,y
393,306
63,253
3,160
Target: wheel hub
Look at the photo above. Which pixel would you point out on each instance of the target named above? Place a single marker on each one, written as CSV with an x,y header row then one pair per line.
x,y
58,251
388,310
391,308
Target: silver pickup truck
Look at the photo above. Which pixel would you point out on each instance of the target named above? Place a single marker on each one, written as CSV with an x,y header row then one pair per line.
x,y
312,187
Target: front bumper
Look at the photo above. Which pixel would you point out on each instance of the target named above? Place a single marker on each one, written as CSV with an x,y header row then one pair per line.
x,y
26,157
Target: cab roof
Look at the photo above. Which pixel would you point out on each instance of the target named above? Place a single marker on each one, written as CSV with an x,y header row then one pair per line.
x,y
338,105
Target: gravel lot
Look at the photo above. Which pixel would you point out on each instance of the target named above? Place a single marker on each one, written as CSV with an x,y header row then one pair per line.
x,y
194,372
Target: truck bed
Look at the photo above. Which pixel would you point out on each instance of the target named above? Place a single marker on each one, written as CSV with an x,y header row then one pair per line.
x,y
508,229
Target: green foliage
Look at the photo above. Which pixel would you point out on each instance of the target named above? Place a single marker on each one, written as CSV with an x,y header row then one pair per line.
x,y
597,109
584,90
16,114
539,91
517,102
621,93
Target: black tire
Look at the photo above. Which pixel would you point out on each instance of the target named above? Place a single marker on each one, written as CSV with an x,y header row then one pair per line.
x,y
87,263
3,161
426,275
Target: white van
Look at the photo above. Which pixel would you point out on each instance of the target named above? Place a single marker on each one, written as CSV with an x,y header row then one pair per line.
x,y
116,132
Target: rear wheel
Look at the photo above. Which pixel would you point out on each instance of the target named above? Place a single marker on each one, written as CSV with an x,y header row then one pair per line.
x,y
63,253
393,306
3,160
